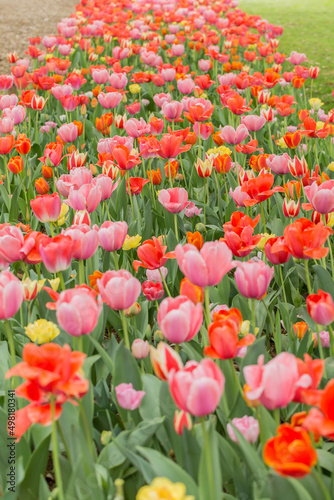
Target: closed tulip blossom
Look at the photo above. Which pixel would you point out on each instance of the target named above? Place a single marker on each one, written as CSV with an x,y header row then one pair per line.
x,y
247,426
206,267
112,235
11,295
198,387
278,163
119,289
13,246
174,200
88,238
75,179
172,110
253,278
140,348
68,132
321,197
153,290
58,252
46,207
262,381
77,309
110,100
234,136
106,184
320,307
276,250
179,319
127,397
253,122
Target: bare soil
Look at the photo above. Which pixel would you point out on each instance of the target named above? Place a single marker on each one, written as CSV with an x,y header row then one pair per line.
x,y
21,19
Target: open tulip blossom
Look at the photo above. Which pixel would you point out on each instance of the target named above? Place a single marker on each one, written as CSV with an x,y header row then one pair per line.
x,y
166,259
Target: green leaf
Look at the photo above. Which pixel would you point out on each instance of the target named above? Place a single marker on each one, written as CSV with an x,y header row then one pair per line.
x,y
324,280
210,480
36,466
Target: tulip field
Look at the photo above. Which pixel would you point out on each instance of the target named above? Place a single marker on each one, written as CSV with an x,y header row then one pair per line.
x,y
166,257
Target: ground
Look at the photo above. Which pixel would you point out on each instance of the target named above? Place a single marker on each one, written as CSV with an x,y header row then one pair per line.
x,y
21,19
309,28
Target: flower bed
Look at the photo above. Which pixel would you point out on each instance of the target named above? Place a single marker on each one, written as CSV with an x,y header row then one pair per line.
x,y
166,260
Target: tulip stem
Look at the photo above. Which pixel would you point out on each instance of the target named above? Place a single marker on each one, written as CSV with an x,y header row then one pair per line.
x,y
10,342
309,288
176,228
209,465
125,329
51,230
164,282
129,190
170,173
270,318
253,316
331,335
263,218
321,484
61,278
87,431
81,272
55,452
116,261
207,305
331,256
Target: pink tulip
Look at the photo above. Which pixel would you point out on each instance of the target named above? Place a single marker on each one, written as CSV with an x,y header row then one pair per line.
x,y
65,49
16,113
88,238
57,253
112,235
78,311
278,163
186,85
174,200
11,295
119,289
108,145
274,384
172,110
140,348
253,278
201,267
179,319
227,79
46,207
6,125
239,196
87,197
127,397
204,65
12,244
159,99
110,100
232,136
136,128
177,49
100,75
191,210
59,91
204,130
8,100
168,74
321,197
247,426
106,184
75,179
198,387
68,132
297,58
118,80
253,122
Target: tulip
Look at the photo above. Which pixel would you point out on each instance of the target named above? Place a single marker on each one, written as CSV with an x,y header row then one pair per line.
x,y
87,237
118,80
119,289
262,381
6,144
278,164
174,200
77,310
100,75
320,307
112,235
280,452
304,239
87,197
153,291
234,136
140,348
182,420
172,110
291,208
179,319
198,387
247,426
15,164
136,128
253,122
200,267
253,278
127,397
298,168
77,178
110,100
320,197
57,253
11,295
68,132
164,359
41,186
276,251
46,207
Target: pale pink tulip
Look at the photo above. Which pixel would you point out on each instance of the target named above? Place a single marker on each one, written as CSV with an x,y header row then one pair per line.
x,y
253,278
127,397
179,319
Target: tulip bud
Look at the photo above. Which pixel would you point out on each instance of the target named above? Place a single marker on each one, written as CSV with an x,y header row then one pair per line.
x,y
182,419
158,335
133,310
140,348
200,227
47,172
291,208
106,437
81,217
41,186
300,328
93,168
30,289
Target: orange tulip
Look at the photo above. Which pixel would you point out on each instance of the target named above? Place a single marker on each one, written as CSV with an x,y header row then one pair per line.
x,y
290,453
195,239
305,239
193,292
22,144
156,176
42,187
6,144
321,420
292,139
15,164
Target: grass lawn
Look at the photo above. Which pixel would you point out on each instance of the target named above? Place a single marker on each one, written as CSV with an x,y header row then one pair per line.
x,y
309,28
